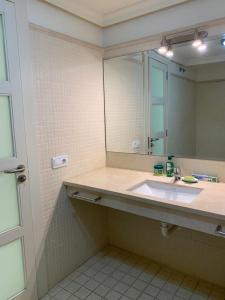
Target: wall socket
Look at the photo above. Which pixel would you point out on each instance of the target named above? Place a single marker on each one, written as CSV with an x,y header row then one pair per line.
x,y
60,161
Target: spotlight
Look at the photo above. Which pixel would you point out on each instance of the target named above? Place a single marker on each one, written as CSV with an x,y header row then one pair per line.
x,y
162,50
169,53
202,48
197,43
223,41
197,40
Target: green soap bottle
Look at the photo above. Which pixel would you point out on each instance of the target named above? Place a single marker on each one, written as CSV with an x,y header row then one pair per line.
x,y
170,166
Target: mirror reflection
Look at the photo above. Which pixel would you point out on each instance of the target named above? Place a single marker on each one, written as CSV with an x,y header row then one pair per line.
x,y
159,105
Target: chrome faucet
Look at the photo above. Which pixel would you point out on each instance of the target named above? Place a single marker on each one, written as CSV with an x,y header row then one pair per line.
x,y
177,174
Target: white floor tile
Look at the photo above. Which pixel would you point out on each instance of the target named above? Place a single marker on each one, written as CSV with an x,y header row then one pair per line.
x,y
115,274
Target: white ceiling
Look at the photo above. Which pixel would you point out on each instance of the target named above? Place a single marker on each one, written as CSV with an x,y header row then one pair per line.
x,y
109,12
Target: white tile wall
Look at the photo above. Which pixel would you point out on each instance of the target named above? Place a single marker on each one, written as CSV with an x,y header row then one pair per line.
x,y
68,81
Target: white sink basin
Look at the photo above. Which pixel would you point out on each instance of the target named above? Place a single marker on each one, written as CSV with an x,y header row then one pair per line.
x,y
166,191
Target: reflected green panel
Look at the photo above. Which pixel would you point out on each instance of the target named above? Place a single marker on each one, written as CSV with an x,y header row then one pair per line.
x,y
157,82
158,148
157,119
9,208
6,135
11,270
3,66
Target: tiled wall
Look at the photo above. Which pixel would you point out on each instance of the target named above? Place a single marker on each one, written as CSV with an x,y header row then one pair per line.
x,y
68,81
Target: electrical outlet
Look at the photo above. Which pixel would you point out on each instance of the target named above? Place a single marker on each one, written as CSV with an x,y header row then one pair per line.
x,y
60,161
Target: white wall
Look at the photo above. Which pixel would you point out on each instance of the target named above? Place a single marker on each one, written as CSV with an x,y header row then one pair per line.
x,y
53,18
68,92
210,120
181,116
124,103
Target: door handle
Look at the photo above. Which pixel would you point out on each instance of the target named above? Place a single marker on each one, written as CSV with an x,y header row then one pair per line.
x,y
19,169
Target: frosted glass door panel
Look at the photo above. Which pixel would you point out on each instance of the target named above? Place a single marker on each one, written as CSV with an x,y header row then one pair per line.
x,y
157,83
157,116
6,135
9,209
3,68
158,148
11,270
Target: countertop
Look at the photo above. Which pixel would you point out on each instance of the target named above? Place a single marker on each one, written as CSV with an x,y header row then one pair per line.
x,y
113,181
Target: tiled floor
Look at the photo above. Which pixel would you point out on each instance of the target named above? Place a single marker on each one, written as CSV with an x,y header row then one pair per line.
x,y
117,274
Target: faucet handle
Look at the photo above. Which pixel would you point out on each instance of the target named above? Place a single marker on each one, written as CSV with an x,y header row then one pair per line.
x,y
177,172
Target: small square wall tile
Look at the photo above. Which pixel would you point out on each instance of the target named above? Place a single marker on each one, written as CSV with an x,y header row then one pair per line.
x,y
62,295
82,293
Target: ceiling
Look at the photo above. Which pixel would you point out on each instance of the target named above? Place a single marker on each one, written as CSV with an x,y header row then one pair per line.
x,y
108,12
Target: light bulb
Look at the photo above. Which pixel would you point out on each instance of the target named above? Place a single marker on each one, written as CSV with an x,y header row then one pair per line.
x,y
169,53
197,43
162,50
223,41
202,48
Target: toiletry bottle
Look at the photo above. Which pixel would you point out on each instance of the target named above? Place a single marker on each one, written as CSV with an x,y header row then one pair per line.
x,y
170,166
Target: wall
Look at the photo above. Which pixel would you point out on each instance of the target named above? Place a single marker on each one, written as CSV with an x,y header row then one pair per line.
x,y
210,140
181,116
67,84
55,19
124,103
191,252
210,108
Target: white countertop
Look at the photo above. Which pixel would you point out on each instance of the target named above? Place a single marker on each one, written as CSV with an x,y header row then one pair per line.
x,y
112,181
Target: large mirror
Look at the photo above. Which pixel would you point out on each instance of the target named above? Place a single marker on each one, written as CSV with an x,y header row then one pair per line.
x,y
157,105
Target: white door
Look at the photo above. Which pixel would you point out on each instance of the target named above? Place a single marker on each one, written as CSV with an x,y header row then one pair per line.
x,y
17,261
158,100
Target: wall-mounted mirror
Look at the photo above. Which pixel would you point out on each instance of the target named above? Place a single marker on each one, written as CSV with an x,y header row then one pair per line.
x,y
160,106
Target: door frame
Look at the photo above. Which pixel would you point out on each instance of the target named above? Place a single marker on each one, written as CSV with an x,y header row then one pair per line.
x,y
152,56
30,117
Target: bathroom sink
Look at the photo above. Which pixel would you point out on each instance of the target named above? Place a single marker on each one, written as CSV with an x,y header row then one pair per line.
x,y
166,191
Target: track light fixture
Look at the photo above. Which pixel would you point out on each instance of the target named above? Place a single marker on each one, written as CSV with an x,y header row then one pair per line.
x,y
197,41
196,37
